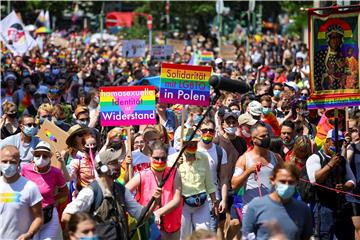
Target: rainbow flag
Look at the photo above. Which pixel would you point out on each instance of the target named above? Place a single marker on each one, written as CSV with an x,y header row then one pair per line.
x,y
127,106
333,102
185,84
206,56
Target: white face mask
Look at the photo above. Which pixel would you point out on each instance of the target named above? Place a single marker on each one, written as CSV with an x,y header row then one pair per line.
x,y
230,130
41,161
8,169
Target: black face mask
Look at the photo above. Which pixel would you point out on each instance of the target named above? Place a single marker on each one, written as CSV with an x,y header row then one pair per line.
x,y
93,150
12,115
116,145
265,142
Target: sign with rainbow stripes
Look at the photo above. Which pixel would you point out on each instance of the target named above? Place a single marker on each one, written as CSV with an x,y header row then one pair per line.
x,y
206,56
185,84
127,106
334,59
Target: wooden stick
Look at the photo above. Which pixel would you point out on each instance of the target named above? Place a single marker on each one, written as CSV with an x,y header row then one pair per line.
x,y
182,126
346,119
129,153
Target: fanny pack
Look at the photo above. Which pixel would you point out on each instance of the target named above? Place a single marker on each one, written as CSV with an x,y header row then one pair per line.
x,y
196,200
48,213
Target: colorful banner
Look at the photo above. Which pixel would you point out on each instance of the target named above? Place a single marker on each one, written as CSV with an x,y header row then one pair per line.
x,y
334,59
127,106
185,84
228,52
206,56
133,48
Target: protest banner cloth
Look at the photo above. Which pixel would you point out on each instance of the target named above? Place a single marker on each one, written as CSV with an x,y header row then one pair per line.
x,y
133,48
14,35
56,137
177,44
162,52
228,52
334,58
185,84
127,106
206,56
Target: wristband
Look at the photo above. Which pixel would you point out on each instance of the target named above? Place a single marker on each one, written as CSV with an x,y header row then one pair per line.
x,y
31,234
330,166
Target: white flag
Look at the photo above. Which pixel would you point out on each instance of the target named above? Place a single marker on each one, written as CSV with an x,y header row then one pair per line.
x,y
47,19
40,43
13,34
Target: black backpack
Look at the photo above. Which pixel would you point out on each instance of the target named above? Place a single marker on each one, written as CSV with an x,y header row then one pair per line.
x,y
307,190
219,155
108,228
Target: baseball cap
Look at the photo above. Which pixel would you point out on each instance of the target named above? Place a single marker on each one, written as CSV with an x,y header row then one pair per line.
x,y
246,118
255,108
43,146
292,85
230,114
9,76
331,134
187,133
81,109
108,156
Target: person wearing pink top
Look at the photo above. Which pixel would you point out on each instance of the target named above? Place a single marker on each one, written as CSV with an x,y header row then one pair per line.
x,y
49,180
168,215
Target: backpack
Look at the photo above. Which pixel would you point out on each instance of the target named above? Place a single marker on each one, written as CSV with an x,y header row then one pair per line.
x,y
307,190
219,155
109,228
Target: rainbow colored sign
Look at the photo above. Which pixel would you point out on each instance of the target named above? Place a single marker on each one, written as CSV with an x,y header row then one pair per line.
x,y
185,84
206,56
127,106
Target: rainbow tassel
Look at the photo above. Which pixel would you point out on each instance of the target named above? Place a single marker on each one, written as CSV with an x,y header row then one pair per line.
x,y
271,119
50,135
123,135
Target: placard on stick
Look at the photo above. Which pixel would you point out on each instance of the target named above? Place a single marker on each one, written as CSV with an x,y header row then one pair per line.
x,y
185,84
127,106
133,48
56,137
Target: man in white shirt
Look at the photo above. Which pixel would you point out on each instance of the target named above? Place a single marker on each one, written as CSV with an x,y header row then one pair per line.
x,y
20,199
218,170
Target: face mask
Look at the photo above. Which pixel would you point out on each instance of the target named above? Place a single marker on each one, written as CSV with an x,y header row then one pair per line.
x,y
265,142
30,131
83,123
8,169
41,162
55,71
93,150
262,79
197,119
86,89
89,238
266,111
115,173
97,99
158,166
285,191
59,122
54,101
116,145
191,150
230,130
292,141
207,138
12,116
277,93
236,112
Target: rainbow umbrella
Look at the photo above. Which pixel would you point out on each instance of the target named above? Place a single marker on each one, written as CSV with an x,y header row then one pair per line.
x,y
43,30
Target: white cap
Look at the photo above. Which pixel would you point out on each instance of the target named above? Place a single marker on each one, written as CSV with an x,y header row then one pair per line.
x,y
218,60
292,85
255,108
42,146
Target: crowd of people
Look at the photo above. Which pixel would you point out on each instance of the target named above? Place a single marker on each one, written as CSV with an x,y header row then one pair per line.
x,y
259,166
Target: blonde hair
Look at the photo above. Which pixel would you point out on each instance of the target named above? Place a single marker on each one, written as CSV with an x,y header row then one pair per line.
x,y
6,106
47,107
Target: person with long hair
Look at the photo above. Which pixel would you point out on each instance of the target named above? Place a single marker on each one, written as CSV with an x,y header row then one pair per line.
x,y
8,123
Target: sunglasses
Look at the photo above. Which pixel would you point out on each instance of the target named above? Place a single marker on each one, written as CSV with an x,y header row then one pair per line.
x,y
31,125
163,159
304,94
205,130
84,119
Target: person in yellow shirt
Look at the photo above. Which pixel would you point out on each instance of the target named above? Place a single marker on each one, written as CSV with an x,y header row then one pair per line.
x,y
196,186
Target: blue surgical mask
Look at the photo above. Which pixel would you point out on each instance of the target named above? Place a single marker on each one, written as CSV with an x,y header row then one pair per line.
x,y
8,169
197,119
59,122
276,93
266,111
285,191
86,89
83,123
230,130
55,71
90,238
30,131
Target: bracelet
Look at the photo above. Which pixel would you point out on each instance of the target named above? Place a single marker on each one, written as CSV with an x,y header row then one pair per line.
x,y
330,166
31,234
